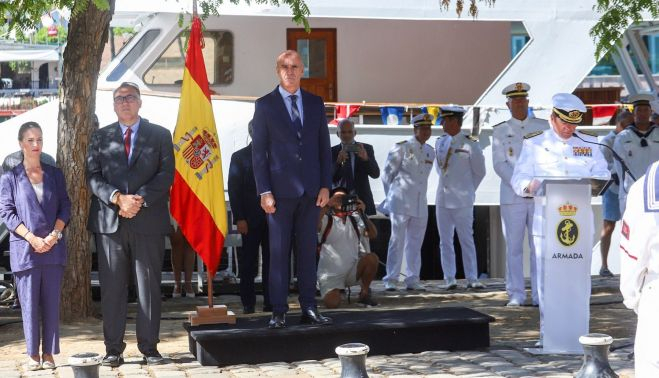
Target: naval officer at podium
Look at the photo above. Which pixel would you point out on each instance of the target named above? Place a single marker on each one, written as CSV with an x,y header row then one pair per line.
x,y
560,151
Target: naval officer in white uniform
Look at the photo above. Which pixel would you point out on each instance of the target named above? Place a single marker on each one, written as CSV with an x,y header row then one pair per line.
x,y
639,268
556,152
637,145
516,211
461,167
405,179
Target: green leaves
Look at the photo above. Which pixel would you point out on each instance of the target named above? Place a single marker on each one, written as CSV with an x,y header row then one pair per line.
x,y
22,16
298,7
617,16
459,6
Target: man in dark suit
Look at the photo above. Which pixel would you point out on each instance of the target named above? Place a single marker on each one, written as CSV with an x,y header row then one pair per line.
x,y
249,218
291,158
353,164
130,168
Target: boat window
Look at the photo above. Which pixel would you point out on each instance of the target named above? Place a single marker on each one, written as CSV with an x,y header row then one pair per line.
x,y
135,53
218,57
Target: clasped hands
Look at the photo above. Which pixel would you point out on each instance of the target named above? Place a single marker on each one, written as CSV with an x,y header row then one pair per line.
x,y
42,245
129,204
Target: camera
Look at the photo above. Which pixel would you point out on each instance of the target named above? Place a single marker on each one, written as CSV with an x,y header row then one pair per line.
x,y
351,148
349,203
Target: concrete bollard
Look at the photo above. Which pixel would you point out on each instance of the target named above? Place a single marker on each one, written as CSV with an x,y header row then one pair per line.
x,y
596,356
353,360
85,365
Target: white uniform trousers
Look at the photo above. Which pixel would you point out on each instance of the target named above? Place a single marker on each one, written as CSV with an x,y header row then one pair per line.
x,y
462,221
540,274
646,358
407,235
515,219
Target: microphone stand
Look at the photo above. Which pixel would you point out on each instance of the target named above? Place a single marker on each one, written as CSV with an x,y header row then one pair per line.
x,y
617,157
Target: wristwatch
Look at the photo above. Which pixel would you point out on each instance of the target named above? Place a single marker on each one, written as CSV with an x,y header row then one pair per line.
x,y
56,233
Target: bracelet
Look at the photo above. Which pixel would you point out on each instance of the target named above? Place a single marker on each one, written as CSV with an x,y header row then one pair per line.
x,y
26,235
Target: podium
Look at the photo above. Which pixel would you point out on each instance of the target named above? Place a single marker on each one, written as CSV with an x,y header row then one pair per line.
x,y
563,207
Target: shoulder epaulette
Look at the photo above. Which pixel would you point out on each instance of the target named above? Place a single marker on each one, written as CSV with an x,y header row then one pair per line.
x,y
590,133
401,142
499,124
533,134
542,119
472,138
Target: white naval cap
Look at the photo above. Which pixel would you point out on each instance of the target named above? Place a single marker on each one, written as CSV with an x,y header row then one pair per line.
x,y
568,107
641,99
451,110
423,119
516,90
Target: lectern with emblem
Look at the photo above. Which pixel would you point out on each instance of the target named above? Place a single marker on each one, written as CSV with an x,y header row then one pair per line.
x,y
568,225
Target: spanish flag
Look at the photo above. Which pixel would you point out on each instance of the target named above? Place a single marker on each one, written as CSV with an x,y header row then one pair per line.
x,y
197,196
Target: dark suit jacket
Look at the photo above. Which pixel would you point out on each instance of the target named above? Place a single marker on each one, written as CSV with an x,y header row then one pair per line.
x,y
363,169
149,174
19,204
284,165
245,202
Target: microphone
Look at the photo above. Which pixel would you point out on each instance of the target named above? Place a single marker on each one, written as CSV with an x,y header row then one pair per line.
x,y
625,169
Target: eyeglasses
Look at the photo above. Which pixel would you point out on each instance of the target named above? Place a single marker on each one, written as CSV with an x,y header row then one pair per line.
x,y
128,98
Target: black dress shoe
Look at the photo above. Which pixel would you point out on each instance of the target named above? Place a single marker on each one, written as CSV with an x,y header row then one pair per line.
x,y
278,321
248,310
312,316
112,360
153,358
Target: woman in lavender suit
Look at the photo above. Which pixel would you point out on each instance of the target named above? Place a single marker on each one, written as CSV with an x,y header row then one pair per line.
x,y
35,208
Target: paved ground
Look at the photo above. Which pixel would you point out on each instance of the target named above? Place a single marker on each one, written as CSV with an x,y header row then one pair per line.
x,y
514,329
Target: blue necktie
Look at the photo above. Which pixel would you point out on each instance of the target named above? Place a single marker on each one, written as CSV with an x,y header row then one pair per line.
x,y
295,116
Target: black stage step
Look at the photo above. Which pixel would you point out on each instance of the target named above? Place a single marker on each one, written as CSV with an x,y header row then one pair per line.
x,y
385,332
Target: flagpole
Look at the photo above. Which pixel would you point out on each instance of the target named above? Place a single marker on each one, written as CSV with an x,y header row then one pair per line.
x,y
194,8
210,289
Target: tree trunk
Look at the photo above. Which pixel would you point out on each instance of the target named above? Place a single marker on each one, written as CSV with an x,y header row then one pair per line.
x,y
88,32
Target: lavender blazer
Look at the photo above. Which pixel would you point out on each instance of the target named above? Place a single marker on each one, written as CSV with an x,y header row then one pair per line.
x,y
19,204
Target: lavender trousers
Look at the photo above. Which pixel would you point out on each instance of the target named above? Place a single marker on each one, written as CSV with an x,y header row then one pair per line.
x,y
39,291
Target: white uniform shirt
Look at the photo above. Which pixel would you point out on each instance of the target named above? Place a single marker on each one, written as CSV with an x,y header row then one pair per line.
x,y
628,145
461,168
608,155
639,242
507,139
548,155
405,178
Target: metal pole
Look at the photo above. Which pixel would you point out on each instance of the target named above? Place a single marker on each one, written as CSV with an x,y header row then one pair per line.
x,y
210,288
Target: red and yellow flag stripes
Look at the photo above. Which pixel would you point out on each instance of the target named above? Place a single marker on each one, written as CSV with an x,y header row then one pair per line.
x,y
197,196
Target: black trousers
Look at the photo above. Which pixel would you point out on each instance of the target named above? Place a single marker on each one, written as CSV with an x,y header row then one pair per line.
x,y
248,260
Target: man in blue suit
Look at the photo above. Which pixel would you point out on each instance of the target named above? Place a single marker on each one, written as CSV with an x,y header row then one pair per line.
x,y
292,161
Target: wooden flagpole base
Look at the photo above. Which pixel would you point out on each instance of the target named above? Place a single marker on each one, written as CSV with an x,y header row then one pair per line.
x,y
217,314
211,314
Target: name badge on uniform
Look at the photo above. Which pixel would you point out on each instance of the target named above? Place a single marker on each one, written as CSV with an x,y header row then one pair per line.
x,y
582,151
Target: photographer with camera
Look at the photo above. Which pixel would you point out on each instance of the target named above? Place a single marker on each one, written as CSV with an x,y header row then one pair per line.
x,y
345,257
354,163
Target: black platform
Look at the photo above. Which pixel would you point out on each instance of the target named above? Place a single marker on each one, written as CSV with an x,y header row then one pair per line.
x,y
249,341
